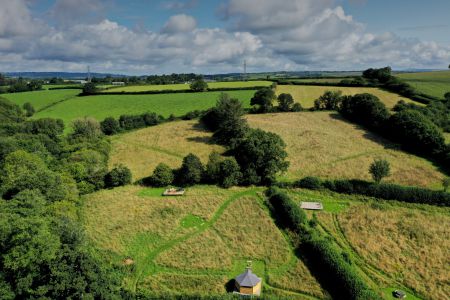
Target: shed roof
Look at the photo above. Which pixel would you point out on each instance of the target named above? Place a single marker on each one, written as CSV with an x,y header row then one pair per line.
x,y
248,279
311,205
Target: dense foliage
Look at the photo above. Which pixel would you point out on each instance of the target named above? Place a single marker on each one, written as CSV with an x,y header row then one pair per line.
x,y
386,191
263,100
330,100
120,175
43,251
379,169
199,85
335,272
162,176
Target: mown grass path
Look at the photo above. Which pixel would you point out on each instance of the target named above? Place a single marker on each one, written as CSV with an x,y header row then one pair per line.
x,y
149,266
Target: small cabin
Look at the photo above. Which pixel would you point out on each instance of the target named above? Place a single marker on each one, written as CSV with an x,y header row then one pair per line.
x,y
248,283
173,192
118,83
311,205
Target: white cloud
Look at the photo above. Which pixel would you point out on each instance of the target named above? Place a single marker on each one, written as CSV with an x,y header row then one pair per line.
x,y
270,35
180,23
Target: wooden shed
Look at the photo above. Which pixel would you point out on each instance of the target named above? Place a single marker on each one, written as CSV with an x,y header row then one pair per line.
x,y
311,205
173,192
248,283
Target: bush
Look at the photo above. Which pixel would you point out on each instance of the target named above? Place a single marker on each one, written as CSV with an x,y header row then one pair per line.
x,y
365,109
162,176
330,100
199,85
118,176
29,109
289,214
89,88
297,107
110,126
285,102
191,171
229,173
379,169
309,182
263,98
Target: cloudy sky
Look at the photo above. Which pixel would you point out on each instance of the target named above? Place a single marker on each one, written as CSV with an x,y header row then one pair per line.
x,y
215,36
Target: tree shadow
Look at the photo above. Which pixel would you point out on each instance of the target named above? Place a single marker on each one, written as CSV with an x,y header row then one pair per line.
x,y
230,286
201,139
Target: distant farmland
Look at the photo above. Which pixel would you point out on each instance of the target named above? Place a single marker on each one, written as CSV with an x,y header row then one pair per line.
x,y
103,106
41,99
306,94
430,83
181,86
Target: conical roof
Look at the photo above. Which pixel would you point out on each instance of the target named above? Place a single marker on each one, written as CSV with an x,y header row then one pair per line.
x,y
248,279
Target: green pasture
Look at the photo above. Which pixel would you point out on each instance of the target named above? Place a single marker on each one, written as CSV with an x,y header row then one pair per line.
x,y
102,106
182,86
41,99
431,83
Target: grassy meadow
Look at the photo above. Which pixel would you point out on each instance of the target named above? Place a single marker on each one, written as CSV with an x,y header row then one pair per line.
x,y
325,145
410,245
182,86
41,99
394,245
195,243
143,149
306,94
102,106
431,83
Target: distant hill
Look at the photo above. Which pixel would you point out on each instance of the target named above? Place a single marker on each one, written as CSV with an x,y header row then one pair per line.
x,y
64,75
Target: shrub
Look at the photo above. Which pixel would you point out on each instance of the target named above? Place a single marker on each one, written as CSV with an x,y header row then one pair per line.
x,y
229,173
191,171
379,169
29,109
297,107
365,109
212,170
110,126
263,98
118,176
199,85
330,100
162,176
285,102
310,182
89,88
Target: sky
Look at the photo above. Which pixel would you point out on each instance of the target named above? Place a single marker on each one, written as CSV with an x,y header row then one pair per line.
x,y
138,37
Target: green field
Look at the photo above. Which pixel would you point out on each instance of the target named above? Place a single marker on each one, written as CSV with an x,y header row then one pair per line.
x,y
181,86
41,99
102,106
431,83
306,94
195,243
321,80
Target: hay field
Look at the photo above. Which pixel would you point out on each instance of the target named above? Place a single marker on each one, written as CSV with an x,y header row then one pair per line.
x,y
142,150
323,144
410,245
102,106
201,239
431,83
182,86
41,99
305,94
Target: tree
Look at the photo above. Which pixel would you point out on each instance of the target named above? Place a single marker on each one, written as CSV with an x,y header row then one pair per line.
x,y
86,128
365,109
191,171
379,169
120,175
199,85
261,155
229,173
381,75
285,102
447,96
297,107
416,132
162,175
110,126
264,99
212,170
446,183
89,88
52,128
330,100
29,109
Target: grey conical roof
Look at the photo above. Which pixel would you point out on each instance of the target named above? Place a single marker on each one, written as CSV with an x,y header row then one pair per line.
x,y
248,279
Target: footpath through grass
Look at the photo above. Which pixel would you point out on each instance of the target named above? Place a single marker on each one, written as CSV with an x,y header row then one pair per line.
x,y
41,99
